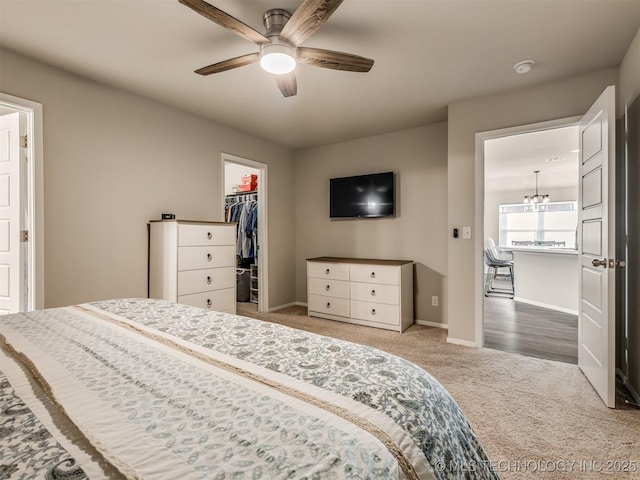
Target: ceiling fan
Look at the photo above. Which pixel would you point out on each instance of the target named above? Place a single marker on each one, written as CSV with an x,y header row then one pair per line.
x,y
280,45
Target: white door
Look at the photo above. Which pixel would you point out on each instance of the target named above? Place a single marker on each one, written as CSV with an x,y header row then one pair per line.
x,y
596,324
11,271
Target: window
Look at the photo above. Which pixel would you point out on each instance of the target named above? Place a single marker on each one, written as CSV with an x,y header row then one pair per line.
x,y
551,224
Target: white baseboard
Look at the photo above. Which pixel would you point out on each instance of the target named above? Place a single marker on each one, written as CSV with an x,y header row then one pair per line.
x,y
458,341
546,305
427,323
285,305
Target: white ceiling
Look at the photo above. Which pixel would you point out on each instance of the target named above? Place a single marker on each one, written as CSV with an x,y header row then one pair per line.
x,y
428,54
510,162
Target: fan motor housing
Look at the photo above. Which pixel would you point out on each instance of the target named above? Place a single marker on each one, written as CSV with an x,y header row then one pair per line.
x,y
274,20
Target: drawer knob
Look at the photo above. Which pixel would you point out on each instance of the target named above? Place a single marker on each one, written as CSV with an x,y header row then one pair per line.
x,y
209,236
373,293
209,303
327,288
209,280
373,311
209,257
373,274
328,304
327,271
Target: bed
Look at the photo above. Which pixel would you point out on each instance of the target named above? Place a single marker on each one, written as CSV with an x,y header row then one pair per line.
x,y
141,388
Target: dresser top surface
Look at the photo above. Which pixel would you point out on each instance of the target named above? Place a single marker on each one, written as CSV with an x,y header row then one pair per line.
x,y
366,261
192,222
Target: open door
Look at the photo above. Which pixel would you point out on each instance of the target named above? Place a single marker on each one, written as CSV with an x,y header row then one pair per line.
x,y
11,252
596,200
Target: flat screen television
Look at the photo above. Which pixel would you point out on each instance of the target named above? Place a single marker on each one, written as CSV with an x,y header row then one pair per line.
x,y
362,196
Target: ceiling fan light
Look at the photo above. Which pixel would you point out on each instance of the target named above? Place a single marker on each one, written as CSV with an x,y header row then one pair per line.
x,y
278,63
278,59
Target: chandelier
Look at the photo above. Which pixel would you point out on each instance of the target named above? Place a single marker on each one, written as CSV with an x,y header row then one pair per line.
x,y
537,198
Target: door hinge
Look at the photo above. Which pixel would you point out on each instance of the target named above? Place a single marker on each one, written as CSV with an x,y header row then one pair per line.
x,y
23,141
24,235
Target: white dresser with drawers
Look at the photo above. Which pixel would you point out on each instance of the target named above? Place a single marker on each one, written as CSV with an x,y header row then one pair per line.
x,y
193,263
376,293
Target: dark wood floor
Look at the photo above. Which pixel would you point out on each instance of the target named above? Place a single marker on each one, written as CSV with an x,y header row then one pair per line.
x,y
517,327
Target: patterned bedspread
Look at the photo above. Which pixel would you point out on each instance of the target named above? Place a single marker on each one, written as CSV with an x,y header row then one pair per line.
x,y
26,445
156,387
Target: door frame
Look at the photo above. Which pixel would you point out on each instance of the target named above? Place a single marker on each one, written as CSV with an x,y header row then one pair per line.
x,y
35,196
263,237
480,138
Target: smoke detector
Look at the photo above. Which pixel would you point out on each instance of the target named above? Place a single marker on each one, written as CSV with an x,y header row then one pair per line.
x,y
524,67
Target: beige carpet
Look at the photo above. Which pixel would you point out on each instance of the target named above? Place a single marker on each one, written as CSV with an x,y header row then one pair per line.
x,y
536,418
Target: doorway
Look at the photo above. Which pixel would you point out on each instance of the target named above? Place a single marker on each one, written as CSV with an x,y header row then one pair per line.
x,y
22,222
596,236
244,188
530,226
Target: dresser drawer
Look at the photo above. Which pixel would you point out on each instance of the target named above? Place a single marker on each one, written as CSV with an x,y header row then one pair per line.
x,y
375,274
376,312
329,288
329,305
375,292
192,258
194,281
328,270
191,235
219,300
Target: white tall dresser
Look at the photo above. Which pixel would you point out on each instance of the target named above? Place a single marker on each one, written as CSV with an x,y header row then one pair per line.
x,y
193,263
376,293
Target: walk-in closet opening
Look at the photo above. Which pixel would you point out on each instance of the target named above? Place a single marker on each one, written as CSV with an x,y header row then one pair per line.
x,y
244,204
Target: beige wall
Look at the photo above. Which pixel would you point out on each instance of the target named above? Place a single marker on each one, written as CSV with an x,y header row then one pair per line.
x,y
630,75
113,161
566,98
418,232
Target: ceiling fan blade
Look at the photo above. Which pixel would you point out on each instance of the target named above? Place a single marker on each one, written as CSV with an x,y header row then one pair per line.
x,y
332,59
287,84
225,20
229,64
307,19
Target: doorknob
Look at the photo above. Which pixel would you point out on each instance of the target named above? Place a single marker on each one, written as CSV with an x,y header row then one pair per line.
x,y
599,263
621,263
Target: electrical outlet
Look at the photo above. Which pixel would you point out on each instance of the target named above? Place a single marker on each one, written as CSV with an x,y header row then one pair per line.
x,y
434,301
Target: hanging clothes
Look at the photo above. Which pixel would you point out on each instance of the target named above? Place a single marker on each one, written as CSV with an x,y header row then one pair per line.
x,y
252,230
244,212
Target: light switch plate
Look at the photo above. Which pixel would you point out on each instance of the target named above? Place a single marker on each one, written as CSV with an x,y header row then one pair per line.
x,y
466,233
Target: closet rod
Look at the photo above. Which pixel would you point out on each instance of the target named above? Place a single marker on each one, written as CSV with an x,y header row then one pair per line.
x,y
242,196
